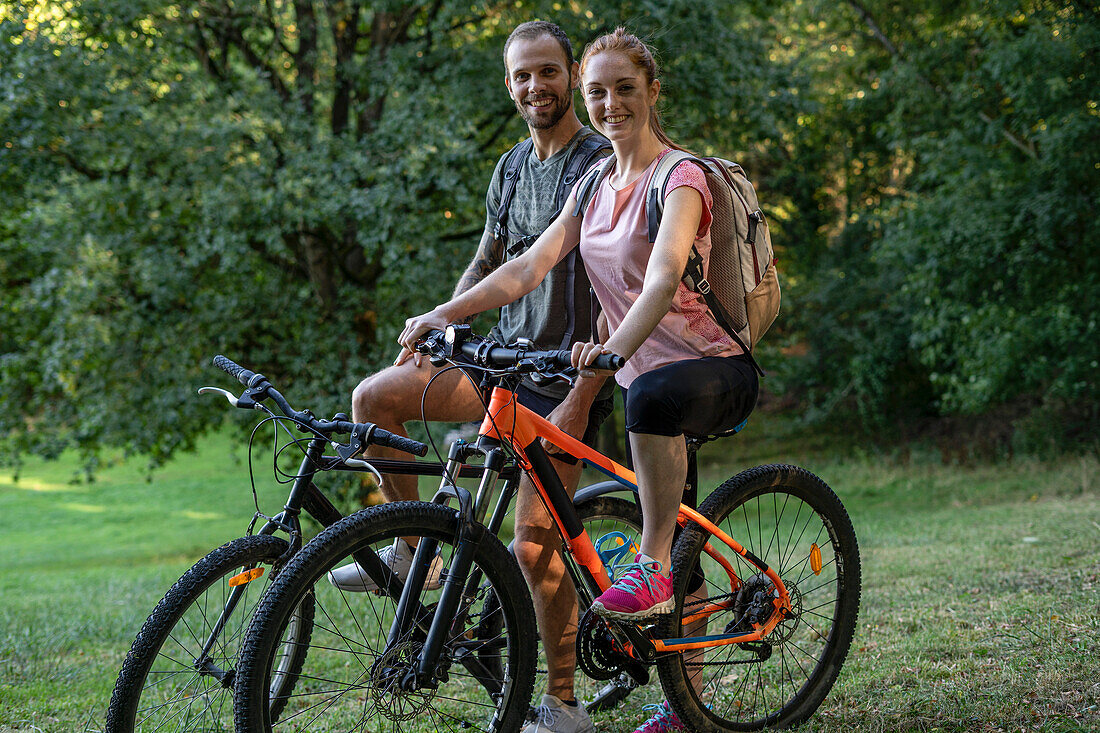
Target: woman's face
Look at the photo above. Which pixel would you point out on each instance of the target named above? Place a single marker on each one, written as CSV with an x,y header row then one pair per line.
x,y
617,96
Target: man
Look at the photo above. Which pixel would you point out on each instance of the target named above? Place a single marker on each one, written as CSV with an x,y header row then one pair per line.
x,y
541,75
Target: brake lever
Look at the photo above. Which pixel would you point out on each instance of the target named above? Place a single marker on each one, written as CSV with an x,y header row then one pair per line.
x,y
431,348
547,371
223,392
242,402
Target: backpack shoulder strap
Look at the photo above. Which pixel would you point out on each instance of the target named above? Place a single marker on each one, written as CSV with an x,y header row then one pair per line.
x,y
588,149
591,182
694,277
516,156
658,185
655,207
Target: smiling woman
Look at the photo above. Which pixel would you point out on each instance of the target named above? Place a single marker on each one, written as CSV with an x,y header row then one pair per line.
x,y
683,374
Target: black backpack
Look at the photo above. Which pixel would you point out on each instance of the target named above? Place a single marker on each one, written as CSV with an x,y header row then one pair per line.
x,y
587,152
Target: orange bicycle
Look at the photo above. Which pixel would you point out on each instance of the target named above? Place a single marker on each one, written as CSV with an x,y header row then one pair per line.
x,y
759,645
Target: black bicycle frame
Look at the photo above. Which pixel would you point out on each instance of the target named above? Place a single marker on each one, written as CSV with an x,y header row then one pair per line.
x,y
304,494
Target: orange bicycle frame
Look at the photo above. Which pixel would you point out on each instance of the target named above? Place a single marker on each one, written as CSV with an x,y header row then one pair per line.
x,y
510,422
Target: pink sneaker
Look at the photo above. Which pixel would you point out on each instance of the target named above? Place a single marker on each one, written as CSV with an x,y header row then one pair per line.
x,y
663,720
641,592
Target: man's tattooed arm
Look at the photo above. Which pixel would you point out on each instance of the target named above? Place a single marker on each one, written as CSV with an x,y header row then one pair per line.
x,y
490,256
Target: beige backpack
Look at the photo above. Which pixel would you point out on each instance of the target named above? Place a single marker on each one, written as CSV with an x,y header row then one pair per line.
x,y
741,287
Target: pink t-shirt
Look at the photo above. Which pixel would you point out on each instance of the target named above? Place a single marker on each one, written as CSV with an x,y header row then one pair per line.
x,y
616,249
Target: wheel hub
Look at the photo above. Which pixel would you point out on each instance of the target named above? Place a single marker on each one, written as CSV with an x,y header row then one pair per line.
x,y
388,694
755,604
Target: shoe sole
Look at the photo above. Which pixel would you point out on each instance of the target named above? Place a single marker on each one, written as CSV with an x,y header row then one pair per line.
x,y
590,729
347,588
657,609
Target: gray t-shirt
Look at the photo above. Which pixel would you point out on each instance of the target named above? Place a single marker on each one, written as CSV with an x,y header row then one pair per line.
x,y
543,315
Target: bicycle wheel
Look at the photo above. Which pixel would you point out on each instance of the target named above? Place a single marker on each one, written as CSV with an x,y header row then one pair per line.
x,y
352,677
791,520
161,686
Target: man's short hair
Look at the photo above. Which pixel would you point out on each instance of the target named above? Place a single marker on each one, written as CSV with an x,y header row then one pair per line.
x,y
533,29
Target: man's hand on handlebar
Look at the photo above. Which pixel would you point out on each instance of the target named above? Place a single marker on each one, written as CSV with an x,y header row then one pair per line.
x,y
417,326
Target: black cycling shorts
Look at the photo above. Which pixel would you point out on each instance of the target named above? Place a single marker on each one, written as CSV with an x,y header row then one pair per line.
x,y
695,397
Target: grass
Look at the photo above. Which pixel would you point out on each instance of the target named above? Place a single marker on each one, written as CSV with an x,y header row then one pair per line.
x,y
981,600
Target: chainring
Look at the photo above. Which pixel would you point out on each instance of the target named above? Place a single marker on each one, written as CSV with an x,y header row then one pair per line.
x,y
599,655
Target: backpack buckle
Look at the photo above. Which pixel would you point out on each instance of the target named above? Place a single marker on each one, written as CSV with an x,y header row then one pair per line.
x,y
703,286
755,219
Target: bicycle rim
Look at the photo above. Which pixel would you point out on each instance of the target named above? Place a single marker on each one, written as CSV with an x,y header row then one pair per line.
x,y
793,522
351,676
166,683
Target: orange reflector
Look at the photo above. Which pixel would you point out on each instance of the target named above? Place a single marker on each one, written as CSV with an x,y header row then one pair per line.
x,y
246,577
815,559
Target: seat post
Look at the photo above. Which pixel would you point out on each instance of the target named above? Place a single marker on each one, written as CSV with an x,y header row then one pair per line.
x,y
691,484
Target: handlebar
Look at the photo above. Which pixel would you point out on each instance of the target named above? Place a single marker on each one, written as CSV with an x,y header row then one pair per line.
x,y
244,376
488,353
368,433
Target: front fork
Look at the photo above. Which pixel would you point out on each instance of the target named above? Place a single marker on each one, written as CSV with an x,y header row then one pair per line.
x,y
288,521
460,585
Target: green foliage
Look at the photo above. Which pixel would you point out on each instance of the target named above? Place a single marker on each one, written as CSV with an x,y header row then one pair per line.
x,y
280,182
963,276
286,182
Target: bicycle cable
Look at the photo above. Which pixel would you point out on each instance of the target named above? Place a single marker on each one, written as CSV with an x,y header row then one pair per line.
x,y
477,390
507,446
281,476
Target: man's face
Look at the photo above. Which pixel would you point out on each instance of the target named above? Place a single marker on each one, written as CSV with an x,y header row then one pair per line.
x,y
539,81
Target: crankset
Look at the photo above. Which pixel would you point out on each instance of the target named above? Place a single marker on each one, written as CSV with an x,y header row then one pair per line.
x,y
601,656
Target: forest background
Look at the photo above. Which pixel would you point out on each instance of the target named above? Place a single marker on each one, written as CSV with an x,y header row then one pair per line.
x,y
285,181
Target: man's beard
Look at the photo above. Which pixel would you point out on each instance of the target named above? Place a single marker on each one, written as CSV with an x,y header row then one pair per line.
x,y
557,110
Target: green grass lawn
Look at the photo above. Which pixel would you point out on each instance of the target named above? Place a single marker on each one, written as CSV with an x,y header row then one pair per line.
x,y
981,583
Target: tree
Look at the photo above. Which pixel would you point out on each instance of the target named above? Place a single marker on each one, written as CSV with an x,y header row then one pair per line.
x,y
283,181
960,278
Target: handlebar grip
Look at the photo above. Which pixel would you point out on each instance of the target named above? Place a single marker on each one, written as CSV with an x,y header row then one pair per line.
x,y
391,440
605,362
610,362
244,376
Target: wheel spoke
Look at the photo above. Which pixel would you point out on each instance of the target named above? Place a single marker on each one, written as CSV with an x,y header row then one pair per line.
x,y
353,677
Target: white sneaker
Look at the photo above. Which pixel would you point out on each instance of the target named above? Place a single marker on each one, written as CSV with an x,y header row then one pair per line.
x,y
399,557
554,716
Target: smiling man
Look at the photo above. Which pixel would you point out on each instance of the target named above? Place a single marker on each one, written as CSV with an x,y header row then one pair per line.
x,y
529,186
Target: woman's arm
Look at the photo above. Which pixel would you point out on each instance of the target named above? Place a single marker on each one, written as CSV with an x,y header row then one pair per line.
x,y
679,226
507,283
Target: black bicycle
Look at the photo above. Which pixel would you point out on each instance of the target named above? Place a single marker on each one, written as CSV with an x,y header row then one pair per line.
x,y
181,667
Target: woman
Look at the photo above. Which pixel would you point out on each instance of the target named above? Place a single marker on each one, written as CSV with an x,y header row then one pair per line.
x,y
683,374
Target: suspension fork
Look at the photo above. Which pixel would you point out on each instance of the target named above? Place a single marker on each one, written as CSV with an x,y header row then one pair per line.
x,y
457,594
286,520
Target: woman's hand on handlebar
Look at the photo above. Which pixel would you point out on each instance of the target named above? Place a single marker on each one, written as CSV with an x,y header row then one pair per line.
x,y
584,354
